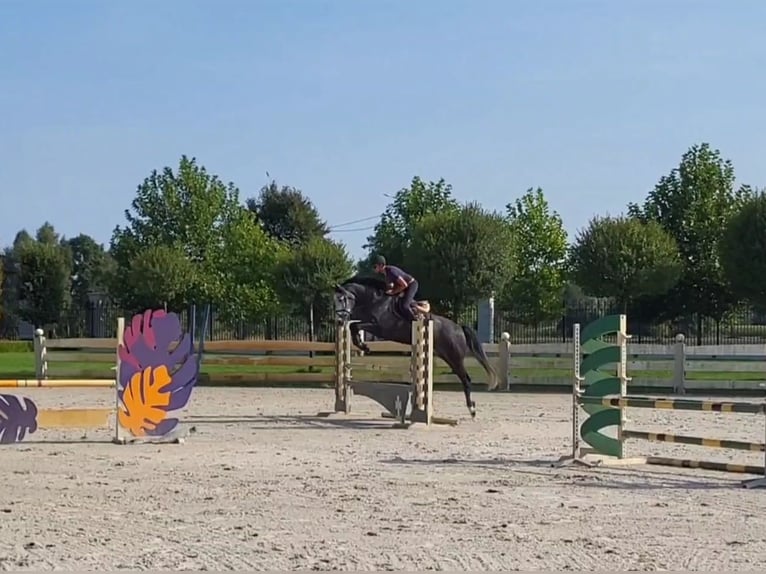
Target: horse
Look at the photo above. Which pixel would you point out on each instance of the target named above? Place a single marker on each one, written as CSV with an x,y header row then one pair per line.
x,y
364,299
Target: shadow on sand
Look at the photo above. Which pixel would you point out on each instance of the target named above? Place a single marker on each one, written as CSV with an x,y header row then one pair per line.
x,y
639,477
291,422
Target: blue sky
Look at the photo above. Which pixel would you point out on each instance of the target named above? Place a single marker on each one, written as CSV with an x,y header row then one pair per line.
x,y
591,100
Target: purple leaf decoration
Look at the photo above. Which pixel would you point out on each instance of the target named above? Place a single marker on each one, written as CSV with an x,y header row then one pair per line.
x,y
16,419
155,338
164,428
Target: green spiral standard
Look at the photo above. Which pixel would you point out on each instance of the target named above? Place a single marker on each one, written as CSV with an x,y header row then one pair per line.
x,y
601,379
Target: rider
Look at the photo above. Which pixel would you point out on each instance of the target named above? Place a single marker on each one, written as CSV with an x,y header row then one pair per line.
x,y
402,281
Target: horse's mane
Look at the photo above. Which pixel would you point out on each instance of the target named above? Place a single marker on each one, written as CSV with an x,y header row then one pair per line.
x,y
367,281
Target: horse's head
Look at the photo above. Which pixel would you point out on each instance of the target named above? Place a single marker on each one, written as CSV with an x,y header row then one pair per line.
x,y
355,293
344,302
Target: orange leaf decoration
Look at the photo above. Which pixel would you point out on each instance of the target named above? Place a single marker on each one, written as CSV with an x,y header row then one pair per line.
x,y
144,404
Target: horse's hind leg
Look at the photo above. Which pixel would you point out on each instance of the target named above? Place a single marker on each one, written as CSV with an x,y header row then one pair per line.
x,y
458,367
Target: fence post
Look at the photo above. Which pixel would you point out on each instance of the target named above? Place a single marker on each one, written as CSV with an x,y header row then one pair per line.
x,y
41,362
679,366
504,362
486,320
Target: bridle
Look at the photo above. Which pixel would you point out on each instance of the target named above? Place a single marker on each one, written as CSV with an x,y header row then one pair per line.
x,y
346,302
343,306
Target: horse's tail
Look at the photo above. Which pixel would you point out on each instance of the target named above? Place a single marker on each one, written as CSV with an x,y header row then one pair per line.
x,y
477,350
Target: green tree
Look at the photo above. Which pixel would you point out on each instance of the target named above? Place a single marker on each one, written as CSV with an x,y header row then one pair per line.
x,y
624,259
44,283
12,283
743,251
460,256
244,264
694,204
540,243
22,238
308,275
91,267
195,213
392,235
158,277
287,215
47,234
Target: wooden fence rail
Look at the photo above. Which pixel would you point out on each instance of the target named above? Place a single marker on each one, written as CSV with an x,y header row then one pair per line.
x,y
678,368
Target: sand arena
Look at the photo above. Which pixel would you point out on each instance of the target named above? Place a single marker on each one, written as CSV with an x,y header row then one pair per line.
x,y
263,484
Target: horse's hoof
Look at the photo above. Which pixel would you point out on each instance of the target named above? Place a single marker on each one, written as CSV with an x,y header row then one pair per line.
x,y
472,410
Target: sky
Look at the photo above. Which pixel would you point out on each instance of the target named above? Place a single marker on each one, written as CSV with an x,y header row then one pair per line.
x,y
347,100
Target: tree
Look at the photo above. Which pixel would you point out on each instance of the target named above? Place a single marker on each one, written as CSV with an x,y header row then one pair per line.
x,y
91,265
196,214
287,215
624,259
309,274
460,256
392,235
47,234
12,282
44,283
158,276
243,264
743,251
540,243
22,238
694,204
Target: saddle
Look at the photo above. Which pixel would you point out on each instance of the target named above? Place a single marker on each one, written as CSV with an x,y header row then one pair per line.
x,y
421,309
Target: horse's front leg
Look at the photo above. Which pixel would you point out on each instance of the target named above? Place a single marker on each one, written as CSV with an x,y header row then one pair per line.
x,y
356,337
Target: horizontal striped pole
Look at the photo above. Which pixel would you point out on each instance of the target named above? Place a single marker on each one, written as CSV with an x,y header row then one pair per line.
x,y
74,418
706,465
674,404
693,440
56,383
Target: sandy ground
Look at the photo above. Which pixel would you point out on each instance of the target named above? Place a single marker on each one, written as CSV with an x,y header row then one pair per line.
x,y
262,484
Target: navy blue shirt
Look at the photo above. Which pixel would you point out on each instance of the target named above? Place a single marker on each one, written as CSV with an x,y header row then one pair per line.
x,y
393,273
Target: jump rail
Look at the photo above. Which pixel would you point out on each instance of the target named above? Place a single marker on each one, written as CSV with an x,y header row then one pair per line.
x,y
605,399
394,396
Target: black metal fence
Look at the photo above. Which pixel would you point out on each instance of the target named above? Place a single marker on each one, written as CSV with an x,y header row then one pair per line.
x,y
742,326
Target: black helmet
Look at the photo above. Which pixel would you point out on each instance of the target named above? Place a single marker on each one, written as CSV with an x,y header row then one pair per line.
x,y
379,260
